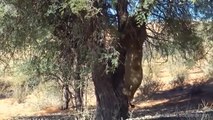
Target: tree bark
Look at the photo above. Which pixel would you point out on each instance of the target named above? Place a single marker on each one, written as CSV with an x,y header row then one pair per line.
x,y
112,104
66,96
78,84
134,37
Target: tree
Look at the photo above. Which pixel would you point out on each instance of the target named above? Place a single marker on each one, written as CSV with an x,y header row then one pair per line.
x,y
106,36
42,35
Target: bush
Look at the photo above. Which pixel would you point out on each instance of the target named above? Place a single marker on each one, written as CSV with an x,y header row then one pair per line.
x,y
20,91
45,95
5,89
179,80
149,86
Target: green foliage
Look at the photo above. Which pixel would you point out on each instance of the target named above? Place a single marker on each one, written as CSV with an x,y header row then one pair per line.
x,y
111,56
77,5
177,29
32,26
80,8
143,11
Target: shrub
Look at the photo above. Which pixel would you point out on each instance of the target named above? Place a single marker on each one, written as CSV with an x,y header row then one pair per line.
x,y
179,80
5,89
47,94
149,86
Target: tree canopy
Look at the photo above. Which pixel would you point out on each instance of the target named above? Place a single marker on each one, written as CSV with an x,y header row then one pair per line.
x,y
33,22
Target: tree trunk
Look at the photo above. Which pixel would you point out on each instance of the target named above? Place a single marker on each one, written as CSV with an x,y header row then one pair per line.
x,y
112,104
78,84
134,37
66,96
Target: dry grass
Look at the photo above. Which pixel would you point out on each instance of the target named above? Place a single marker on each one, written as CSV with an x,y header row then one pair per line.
x,y
46,98
47,94
10,108
23,103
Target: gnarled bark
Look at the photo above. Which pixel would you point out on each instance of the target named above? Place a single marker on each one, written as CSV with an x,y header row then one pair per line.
x,y
112,104
134,38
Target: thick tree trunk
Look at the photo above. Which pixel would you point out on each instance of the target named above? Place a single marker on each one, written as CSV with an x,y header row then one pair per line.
x,y
135,36
112,104
131,39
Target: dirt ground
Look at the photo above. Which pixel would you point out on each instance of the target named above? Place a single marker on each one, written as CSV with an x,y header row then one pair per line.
x,y
195,95
167,101
177,101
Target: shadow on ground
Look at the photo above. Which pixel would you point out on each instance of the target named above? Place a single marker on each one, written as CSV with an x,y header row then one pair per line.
x,y
47,117
61,115
179,101
182,103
